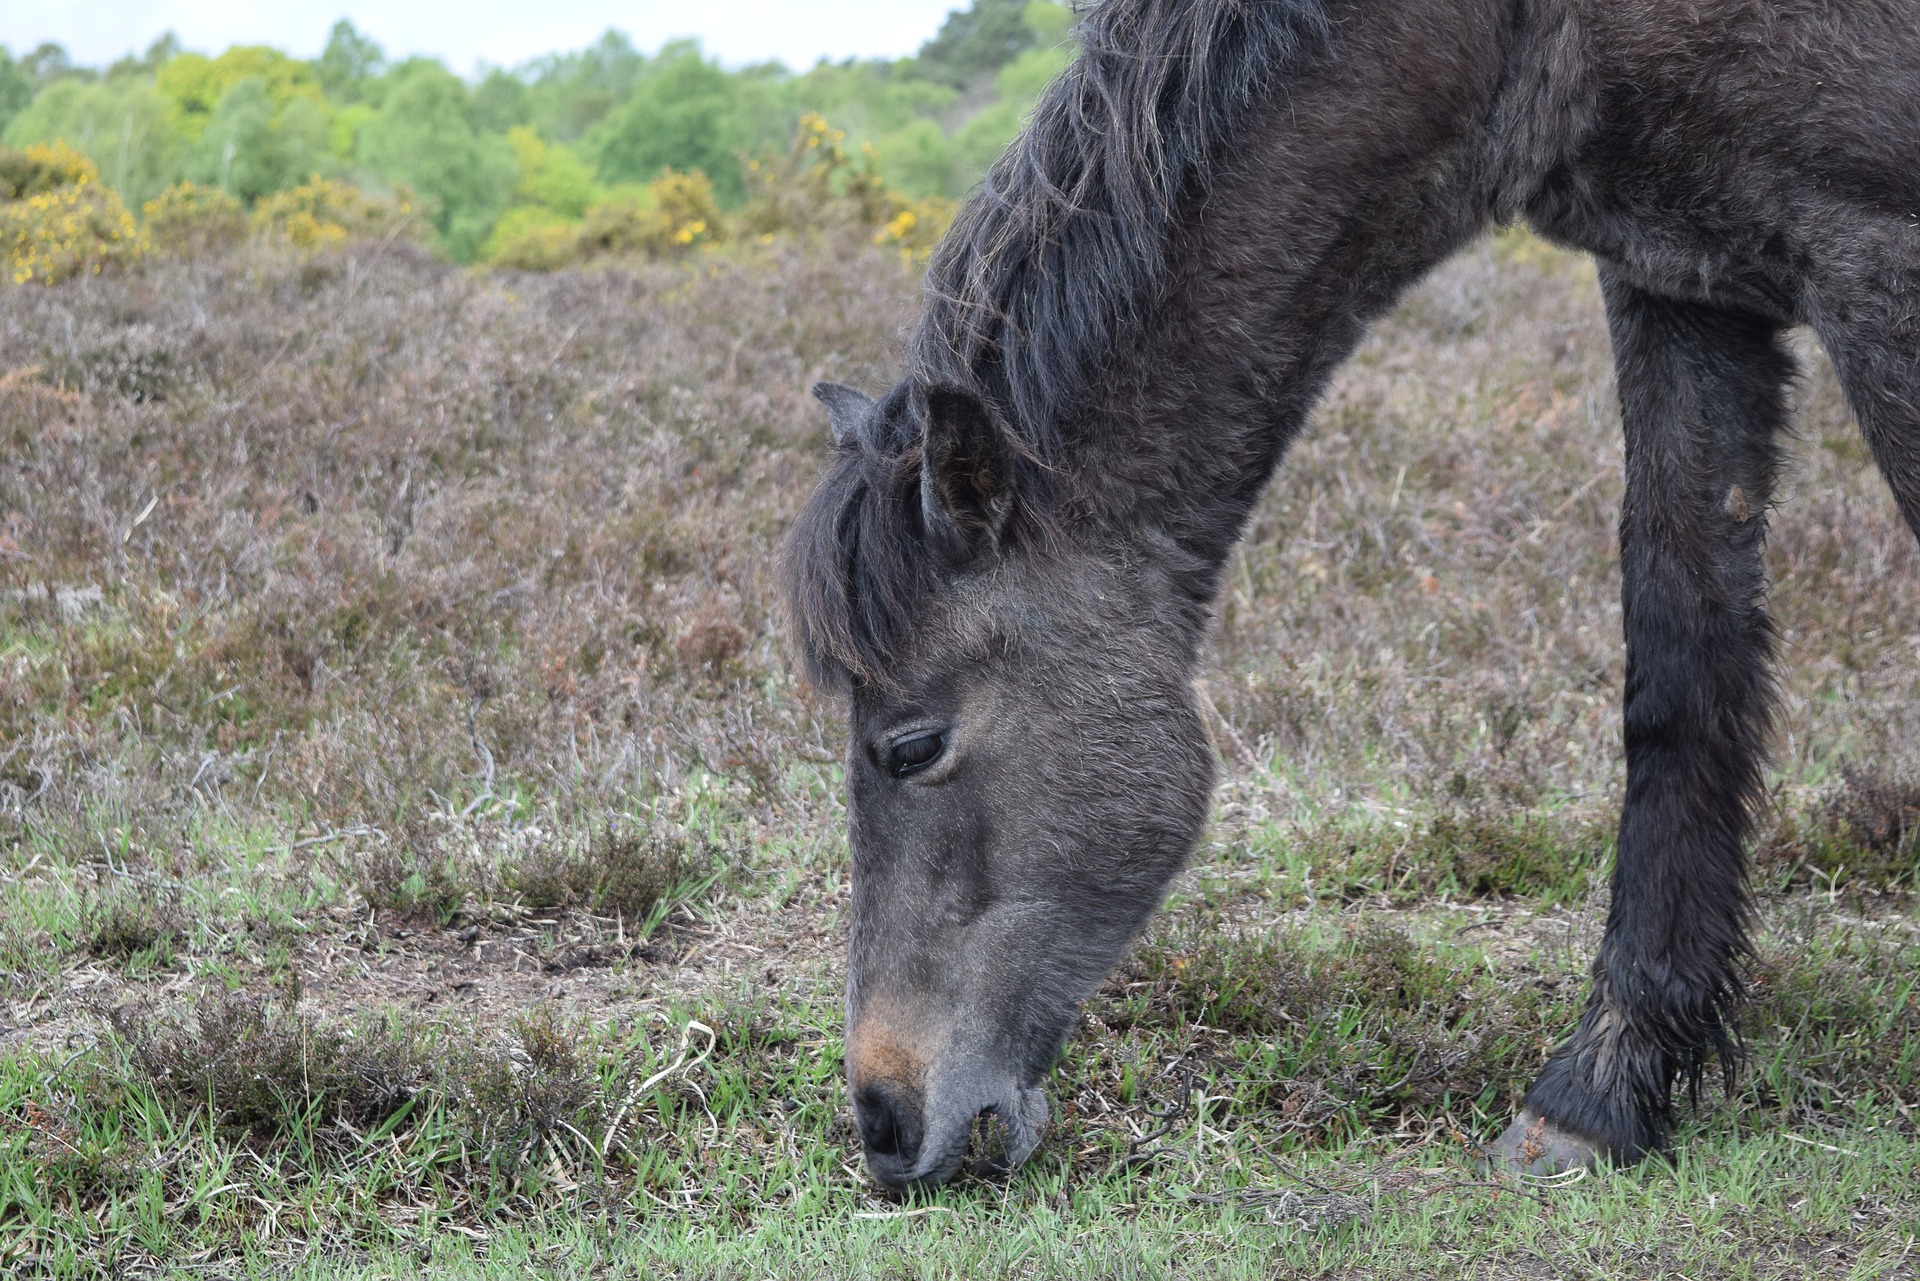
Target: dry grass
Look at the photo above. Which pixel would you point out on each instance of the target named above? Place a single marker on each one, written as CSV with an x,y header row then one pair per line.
x,y
1428,601
373,538
399,757
249,1067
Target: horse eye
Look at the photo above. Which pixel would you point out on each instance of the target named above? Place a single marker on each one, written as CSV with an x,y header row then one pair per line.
x,y
911,755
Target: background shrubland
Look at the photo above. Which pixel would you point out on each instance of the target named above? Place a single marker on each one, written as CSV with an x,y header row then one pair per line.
x,y
528,166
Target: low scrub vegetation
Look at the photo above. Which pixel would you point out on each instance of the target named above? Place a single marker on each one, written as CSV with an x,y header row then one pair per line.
x,y
413,834
1336,1036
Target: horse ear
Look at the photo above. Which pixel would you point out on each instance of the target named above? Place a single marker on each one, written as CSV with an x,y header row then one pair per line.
x,y
966,474
847,408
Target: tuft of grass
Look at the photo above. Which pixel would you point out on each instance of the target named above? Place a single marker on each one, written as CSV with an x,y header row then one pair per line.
x,y
1361,1029
417,876
1833,1023
248,1064
1473,849
26,960
631,871
537,1092
1875,820
130,921
1862,830
1484,852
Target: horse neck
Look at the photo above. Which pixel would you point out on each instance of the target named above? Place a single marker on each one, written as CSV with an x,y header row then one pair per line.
x,y
1358,175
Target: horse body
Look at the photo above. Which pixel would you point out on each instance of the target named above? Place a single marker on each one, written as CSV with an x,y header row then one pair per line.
x,y
1011,561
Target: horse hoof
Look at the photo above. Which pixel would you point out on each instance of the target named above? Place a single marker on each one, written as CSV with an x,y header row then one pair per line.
x,y
1535,1145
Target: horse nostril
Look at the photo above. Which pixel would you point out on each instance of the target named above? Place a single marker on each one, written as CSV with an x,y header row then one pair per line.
x,y
889,1126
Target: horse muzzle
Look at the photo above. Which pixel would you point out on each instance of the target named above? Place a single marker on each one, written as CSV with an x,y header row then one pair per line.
x,y
914,1139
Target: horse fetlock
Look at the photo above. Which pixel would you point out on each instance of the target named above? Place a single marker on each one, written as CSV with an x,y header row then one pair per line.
x,y
1536,1146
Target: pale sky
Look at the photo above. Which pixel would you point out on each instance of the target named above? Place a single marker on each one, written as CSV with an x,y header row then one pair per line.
x,y
464,33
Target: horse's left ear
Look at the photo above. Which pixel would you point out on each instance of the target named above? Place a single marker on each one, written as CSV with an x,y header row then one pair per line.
x,y
966,474
847,408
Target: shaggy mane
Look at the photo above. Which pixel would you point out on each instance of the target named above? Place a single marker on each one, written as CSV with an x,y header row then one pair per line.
x,y
1061,252
1055,260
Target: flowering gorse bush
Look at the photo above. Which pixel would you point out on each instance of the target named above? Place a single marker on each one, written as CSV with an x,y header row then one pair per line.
x,y
57,219
321,214
684,207
815,186
677,212
916,227
532,238
818,184
190,220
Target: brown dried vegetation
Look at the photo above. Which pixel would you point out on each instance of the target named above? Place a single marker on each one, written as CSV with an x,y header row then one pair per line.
x,y
250,1066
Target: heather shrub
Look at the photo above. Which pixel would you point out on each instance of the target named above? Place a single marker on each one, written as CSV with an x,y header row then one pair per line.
x,y
57,219
189,220
321,213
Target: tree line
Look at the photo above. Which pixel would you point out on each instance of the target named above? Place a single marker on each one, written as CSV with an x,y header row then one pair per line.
x,y
515,151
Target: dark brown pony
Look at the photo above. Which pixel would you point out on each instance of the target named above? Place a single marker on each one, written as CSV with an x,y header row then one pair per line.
x,y
1012,558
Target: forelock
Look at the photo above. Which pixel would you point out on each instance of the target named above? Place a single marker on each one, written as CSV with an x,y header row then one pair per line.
x,y
857,568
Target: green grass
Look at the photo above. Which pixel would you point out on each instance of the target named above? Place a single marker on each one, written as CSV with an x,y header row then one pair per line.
x,y
1761,1208
1234,1100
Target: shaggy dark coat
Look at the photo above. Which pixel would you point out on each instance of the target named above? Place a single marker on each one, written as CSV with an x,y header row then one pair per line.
x,y
1012,557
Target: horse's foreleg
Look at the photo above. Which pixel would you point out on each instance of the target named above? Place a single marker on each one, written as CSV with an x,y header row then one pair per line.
x,y
1874,341
1701,394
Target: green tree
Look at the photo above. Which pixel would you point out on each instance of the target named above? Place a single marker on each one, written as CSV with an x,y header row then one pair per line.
x,y
252,150
196,85
343,135
916,159
550,175
570,93
49,62
867,98
347,63
1051,23
979,142
423,136
682,116
123,126
976,41
158,54
16,88
898,115
501,102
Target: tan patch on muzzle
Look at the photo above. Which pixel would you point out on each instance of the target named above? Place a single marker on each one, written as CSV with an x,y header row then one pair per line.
x,y
876,1051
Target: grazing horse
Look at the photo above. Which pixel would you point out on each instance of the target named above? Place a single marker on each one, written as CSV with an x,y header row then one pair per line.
x,y
1012,557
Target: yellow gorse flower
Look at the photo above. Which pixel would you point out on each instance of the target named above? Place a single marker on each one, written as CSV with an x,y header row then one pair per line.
x,y
57,219
916,227
322,214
